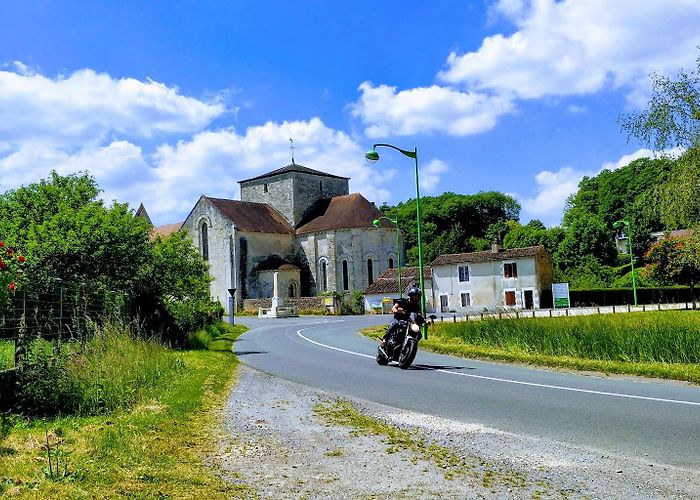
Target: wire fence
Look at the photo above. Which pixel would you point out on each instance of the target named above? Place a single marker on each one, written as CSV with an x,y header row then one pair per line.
x,y
64,311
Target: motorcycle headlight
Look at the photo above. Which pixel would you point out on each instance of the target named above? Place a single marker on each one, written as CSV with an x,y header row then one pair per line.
x,y
415,328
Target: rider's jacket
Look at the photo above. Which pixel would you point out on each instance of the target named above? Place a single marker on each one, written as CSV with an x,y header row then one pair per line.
x,y
408,307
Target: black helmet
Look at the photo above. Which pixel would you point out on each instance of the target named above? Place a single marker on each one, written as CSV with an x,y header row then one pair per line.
x,y
414,291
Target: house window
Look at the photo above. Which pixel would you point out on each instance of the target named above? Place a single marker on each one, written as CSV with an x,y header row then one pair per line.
x,y
324,276
510,298
465,299
370,272
463,273
391,263
204,234
510,270
265,188
346,276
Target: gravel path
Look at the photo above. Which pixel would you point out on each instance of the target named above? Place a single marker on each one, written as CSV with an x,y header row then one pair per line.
x,y
280,448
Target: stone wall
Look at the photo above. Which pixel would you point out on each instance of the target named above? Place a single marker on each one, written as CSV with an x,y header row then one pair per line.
x,y
300,303
276,191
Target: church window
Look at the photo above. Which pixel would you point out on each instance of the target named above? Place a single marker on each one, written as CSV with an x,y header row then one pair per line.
x,y
320,185
370,272
391,263
265,187
324,276
292,290
346,277
204,232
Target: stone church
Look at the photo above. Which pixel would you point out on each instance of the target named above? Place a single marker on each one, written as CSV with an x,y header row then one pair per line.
x,y
301,223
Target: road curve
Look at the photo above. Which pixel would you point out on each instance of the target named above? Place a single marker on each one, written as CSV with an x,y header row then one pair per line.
x,y
656,420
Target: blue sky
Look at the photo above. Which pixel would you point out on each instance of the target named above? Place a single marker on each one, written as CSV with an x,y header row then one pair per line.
x,y
164,101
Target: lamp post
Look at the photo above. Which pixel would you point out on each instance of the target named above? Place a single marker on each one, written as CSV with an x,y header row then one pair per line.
x,y
378,223
373,156
628,231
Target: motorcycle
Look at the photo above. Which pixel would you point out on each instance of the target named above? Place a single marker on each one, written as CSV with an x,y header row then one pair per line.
x,y
402,344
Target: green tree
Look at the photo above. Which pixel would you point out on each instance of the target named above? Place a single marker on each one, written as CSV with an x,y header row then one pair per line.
x,y
673,116
676,261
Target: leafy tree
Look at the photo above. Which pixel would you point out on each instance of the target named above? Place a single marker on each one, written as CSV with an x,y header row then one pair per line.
x,y
676,261
586,236
452,223
680,196
673,116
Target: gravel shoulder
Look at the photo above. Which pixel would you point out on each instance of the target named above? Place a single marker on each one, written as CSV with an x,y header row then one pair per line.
x,y
276,443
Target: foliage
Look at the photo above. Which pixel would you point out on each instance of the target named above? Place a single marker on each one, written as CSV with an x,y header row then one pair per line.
x,y
67,233
452,223
11,267
586,236
675,260
673,116
679,198
587,273
111,371
533,234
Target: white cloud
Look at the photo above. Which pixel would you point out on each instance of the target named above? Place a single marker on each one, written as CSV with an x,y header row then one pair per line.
x,y
431,174
575,47
89,107
428,109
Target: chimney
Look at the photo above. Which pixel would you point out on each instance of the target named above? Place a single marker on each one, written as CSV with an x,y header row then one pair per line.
x,y
495,247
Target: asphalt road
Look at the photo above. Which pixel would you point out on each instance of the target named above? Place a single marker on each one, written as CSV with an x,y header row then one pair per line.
x,y
659,421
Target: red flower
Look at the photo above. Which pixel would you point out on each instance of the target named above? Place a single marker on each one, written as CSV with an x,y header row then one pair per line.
x,y
10,252
11,286
2,265
2,244
21,259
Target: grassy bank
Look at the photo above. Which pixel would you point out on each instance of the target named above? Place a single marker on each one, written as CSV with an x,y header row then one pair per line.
x,y
662,344
151,447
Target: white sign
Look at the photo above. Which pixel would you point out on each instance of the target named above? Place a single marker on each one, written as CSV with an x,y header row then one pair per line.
x,y
560,295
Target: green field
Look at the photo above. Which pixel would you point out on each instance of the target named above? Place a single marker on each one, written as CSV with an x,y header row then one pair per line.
x,y
663,344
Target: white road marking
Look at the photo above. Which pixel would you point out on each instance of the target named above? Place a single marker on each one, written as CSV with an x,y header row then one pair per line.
x,y
517,382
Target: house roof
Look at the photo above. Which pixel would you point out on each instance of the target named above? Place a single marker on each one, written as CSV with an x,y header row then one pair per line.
x,y
166,230
341,212
293,167
387,282
487,255
252,217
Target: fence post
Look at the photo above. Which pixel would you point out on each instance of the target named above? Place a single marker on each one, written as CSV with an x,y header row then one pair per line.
x,y
550,313
567,311
454,319
613,308
628,308
644,308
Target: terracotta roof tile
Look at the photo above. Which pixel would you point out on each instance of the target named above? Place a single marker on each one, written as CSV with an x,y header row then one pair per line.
x,y
252,217
166,230
387,282
342,212
487,256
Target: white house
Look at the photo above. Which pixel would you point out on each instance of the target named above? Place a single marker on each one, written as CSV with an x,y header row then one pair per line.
x,y
472,282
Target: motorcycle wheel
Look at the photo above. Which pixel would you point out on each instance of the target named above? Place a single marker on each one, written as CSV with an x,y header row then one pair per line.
x,y
408,354
381,358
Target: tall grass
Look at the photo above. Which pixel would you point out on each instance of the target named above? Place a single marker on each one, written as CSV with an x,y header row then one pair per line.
x,y
7,354
665,337
114,370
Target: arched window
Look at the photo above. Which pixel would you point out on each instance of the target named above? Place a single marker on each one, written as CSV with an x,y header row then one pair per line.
x,y
204,234
292,290
391,263
370,272
346,276
323,278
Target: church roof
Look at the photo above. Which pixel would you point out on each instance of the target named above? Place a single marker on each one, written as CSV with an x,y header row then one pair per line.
x,y
166,230
141,212
252,217
341,212
293,167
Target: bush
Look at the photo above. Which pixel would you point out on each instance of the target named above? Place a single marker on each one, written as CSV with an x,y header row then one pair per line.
x,y
112,371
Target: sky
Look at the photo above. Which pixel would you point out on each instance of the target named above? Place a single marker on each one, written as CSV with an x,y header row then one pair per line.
x,y
163,101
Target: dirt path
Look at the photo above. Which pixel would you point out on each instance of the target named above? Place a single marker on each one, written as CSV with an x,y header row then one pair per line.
x,y
280,445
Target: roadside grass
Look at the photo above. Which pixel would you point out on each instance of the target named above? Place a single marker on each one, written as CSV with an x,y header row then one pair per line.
x,y
153,448
662,344
452,465
7,354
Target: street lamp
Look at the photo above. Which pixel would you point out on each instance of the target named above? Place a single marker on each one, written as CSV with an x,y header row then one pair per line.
x,y
373,156
628,231
378,223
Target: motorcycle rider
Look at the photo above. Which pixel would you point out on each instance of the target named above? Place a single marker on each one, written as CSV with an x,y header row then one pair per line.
x,y
402,309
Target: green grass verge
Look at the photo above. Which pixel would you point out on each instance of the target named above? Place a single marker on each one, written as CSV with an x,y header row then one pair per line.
x,y
7,354
154,449
654,344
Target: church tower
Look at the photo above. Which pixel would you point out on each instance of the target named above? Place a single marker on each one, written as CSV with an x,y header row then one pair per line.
x,y
293,190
